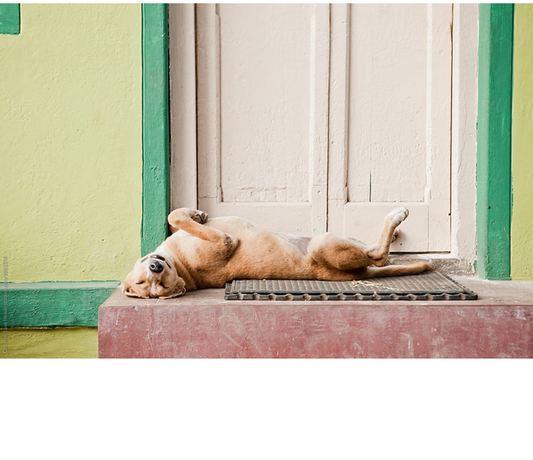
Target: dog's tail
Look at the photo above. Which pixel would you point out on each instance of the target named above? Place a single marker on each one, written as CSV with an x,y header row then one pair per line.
x,y
397,270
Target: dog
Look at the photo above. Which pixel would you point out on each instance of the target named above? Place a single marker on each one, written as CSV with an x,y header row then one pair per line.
x,y
206,253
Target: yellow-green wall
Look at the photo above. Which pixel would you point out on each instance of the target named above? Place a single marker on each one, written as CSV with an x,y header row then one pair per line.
x,y
61,342
70,140
522,146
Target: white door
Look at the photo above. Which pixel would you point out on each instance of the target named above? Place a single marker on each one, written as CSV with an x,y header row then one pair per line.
x,y
325,117
390,122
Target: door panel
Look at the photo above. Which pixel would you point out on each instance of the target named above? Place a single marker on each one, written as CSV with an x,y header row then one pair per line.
x,y
263,113
398,92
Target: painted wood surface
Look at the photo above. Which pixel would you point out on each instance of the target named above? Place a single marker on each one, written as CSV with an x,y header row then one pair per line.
x,y
522,141
496,24
155,131
182,55
464,131
203,325
398,115
262,113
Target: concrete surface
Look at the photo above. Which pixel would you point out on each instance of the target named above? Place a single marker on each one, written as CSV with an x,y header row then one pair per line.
x,y
202,325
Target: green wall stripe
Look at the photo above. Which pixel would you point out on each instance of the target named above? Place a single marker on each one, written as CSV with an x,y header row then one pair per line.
x,y
54,304
10,18
495,84
155,136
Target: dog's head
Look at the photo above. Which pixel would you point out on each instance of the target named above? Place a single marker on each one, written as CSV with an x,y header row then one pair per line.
x,y
153,276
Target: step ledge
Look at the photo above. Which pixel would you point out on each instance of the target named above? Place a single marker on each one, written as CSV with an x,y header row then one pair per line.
x,y
201,324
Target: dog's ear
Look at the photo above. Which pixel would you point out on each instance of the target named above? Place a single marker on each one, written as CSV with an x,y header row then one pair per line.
x,y
126,290
180,290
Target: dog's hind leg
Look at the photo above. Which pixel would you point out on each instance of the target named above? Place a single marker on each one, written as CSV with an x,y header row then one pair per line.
x,y
379,252
396,270
345,254
340,253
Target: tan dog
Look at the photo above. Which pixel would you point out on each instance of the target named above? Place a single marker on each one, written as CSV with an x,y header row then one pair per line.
x,y
204,253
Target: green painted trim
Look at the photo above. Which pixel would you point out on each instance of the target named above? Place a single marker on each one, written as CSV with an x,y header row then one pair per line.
x,y
54,304
10,18
155,136
495,89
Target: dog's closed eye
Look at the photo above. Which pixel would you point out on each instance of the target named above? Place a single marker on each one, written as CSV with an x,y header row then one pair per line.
x,y
140,282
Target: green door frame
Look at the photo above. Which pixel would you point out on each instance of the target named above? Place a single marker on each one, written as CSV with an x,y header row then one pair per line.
x,y
155,126
495,92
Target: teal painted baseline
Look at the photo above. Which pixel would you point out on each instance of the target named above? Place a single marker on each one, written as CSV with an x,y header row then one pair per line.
x,y
54,304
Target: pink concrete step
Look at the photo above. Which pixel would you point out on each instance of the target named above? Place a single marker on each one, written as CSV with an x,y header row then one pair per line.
x,y
202,325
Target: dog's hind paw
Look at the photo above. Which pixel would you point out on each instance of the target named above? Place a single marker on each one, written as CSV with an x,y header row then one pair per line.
x,y
395,235
398,215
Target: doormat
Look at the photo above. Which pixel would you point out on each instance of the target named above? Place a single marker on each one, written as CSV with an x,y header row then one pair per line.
x,y
425,286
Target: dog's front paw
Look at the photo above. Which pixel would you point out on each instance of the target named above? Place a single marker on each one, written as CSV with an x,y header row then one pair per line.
x,y
228,240
200,217
229,244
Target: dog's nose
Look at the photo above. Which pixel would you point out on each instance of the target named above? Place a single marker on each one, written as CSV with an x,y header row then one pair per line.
x,y
156,267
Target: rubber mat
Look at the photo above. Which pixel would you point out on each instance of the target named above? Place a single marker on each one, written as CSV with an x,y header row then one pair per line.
x,y
425,286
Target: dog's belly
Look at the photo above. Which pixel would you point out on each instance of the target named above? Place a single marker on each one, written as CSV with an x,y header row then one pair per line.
x,y
268,255
241,228
301,242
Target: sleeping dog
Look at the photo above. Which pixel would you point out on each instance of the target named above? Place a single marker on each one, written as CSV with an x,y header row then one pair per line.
x,y
207,253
